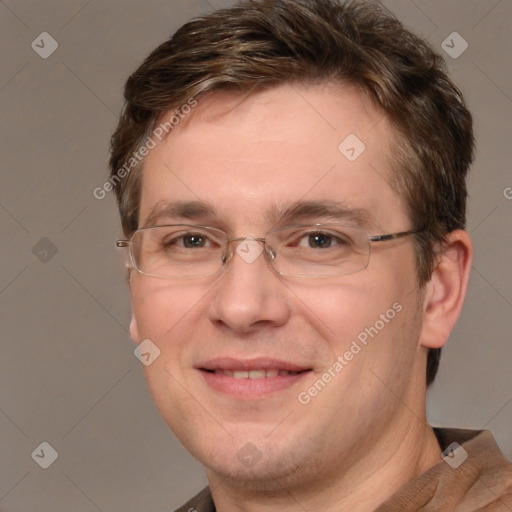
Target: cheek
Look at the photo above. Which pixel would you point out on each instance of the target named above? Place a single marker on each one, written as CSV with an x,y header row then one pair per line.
x,y
163,309
167,314
344,310
371,336
371,322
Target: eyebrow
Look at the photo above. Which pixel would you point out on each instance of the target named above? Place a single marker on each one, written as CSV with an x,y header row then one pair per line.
x,y
325,210
186,210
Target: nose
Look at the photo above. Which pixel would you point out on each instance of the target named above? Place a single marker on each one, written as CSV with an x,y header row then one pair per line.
x,y
250,294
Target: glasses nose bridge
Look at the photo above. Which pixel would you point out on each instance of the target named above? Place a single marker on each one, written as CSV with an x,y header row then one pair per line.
x,y
248,238
230,242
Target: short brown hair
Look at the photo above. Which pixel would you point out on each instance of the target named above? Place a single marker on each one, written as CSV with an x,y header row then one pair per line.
x,y
262,43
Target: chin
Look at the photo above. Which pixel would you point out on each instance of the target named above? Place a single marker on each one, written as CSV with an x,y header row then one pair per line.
x,y
263,479
260,467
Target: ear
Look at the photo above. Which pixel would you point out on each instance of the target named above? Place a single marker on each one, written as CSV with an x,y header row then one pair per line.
x,y
446,290
134,330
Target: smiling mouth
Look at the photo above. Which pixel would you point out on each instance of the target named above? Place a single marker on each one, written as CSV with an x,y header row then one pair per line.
x,y
256,374
255,378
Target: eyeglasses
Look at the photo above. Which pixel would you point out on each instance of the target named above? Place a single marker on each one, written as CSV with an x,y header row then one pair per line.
x,y
315,251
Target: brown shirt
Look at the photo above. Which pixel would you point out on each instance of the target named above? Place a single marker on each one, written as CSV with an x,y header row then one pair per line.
x,y
480,482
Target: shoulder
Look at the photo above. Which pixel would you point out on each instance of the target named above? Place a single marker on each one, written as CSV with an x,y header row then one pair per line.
x,y
473,475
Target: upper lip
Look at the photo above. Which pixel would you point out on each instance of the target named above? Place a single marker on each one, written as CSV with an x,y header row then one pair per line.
x,y
260,363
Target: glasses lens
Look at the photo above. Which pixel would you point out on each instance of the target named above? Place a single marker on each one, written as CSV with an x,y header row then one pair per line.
x,y
178,251
319,250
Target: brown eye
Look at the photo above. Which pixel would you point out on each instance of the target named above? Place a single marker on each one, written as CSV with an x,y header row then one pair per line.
x,y
186,240
320,241
193,241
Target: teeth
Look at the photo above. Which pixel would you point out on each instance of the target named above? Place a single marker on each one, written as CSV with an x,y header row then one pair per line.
x,y
254,374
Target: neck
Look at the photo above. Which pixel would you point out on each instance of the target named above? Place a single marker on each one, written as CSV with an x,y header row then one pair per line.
x,y
361,485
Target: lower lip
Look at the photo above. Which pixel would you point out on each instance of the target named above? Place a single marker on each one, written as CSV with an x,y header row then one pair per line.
x,y
251,388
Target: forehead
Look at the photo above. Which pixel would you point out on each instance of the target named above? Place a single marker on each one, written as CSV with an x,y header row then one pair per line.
x,y
246,157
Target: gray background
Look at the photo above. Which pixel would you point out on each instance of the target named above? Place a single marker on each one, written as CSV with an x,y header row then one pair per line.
x,y
68,375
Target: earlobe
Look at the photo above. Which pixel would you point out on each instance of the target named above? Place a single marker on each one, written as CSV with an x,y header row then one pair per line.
x,y
134,331
446,290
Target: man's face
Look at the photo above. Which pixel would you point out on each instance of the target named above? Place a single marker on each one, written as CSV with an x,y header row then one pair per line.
x,y
248,159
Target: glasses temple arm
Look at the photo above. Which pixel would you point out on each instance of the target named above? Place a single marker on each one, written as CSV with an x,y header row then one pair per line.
x,y
394,236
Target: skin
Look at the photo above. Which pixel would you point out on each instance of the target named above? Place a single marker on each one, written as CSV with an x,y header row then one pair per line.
x,y
365,434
